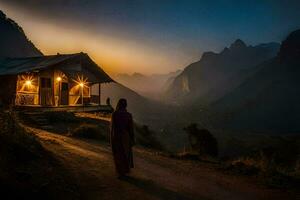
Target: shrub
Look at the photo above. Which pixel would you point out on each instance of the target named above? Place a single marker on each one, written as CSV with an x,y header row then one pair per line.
x,y
89,131
145,137
187,156
280,156
243,166
276,164
201,140
62,116
15,141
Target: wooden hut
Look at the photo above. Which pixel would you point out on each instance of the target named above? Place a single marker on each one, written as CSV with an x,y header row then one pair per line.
x,y
57,81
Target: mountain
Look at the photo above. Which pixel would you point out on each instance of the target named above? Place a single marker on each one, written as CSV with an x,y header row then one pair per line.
x,y
269,99
208,79
115,91
144,110
13,40
150,86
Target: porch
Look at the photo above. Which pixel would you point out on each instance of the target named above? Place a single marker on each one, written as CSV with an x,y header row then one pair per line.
x,y
67,108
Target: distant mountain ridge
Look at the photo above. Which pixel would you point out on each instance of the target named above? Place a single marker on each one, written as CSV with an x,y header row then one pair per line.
x,y
13,40
268,100
151,86
215,74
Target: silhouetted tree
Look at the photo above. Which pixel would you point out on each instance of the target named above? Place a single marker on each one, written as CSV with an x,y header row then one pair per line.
x,y
202,140
146,137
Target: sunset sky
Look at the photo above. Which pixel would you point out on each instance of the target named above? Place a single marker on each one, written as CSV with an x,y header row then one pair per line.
x,y
149,36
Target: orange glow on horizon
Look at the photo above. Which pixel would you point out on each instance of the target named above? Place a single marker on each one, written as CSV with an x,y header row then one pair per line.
x,y
113,54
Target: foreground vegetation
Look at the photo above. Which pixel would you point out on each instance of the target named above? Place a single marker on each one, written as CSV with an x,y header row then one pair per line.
x,y
276,162
273,160
26,168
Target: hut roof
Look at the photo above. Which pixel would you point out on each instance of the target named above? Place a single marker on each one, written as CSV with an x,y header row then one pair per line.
x,y
71,64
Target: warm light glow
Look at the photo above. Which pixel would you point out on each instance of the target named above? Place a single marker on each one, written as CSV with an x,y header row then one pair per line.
x,y
28,82
82,82
58,79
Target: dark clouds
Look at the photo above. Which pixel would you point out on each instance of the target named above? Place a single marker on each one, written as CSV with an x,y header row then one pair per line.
x,y
174,19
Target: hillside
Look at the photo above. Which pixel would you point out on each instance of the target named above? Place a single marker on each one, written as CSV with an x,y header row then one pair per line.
x,y
141,107
269,99
27,169
115,91
13,40
215,74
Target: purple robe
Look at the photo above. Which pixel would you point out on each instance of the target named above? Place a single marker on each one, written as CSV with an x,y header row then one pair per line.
x,y
122,140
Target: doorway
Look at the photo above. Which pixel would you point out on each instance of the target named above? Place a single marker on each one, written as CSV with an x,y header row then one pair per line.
x,y
64,94
46,91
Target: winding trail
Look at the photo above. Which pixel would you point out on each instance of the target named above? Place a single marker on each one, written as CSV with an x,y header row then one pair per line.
x,y
154,176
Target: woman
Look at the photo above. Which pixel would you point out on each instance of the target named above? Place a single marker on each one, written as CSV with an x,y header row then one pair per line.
x,y
122,138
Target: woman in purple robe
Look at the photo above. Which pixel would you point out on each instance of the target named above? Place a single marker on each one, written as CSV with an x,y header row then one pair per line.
x,y
122,138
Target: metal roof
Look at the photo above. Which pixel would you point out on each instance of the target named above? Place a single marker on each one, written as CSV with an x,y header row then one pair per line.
x,y
71,64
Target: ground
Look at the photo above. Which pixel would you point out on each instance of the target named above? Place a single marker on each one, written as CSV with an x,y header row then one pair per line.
x,y
154,176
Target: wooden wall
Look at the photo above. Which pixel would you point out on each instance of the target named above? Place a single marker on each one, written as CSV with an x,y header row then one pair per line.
x,y
8,90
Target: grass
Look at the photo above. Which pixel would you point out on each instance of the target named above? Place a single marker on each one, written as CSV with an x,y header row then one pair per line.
x,y
15,141
146,137
276,165
272,177
26,168
274,160
89,131
61,117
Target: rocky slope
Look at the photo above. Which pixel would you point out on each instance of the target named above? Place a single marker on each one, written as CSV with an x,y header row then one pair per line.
x,y
13,40
269,98
216,73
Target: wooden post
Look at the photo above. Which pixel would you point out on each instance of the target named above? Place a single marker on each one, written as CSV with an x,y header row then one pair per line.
x,y
52,80
39,89
82,95
59,93
99,93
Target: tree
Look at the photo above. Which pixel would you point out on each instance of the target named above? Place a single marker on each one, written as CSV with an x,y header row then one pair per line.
x,y
202,140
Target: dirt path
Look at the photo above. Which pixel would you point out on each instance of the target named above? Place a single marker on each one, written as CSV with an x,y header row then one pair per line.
x,y
154,177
